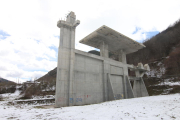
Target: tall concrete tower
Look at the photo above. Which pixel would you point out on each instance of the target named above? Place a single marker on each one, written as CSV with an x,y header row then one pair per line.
x,y
66,60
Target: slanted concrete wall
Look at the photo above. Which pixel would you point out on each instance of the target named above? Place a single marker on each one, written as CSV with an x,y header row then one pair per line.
x,y
140,88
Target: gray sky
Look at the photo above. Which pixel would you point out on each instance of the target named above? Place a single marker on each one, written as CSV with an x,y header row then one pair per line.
x,y
29,36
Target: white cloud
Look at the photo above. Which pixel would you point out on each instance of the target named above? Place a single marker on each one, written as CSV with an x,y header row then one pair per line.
x,y
32,28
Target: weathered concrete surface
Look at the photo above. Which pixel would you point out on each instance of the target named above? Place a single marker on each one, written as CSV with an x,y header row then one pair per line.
x,y
84,78
140,88
104,50
88,81
130,93
65,70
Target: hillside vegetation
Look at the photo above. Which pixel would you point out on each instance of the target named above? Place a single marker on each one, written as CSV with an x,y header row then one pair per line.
x,y
7,86
164,44
162,53
42,86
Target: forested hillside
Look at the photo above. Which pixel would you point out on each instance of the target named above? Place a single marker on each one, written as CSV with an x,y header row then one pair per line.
x,y
162,53
7,86
164,45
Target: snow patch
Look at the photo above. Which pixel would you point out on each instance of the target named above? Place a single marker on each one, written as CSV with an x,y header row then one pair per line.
x,y
168,83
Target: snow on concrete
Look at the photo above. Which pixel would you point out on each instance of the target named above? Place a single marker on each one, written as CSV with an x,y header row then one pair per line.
x,y
163,107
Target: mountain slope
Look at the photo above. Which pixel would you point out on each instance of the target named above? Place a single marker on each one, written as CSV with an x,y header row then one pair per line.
x,y
3,80
158,46
7,86
162,53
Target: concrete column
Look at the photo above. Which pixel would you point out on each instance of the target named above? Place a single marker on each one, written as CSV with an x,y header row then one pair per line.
x,y
122,56
105,53
71,71
106,68
139,87
125,81
66,57
104,50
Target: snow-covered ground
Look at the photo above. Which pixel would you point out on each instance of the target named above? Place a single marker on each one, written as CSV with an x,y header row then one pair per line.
x,y
11,96
169,83
163,107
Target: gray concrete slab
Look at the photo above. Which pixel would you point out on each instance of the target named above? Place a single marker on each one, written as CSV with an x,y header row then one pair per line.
x,y
115,40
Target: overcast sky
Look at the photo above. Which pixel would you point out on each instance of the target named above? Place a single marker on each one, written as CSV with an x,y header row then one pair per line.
x,y
29,36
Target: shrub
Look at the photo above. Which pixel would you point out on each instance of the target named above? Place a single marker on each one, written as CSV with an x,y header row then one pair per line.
x,y
1,98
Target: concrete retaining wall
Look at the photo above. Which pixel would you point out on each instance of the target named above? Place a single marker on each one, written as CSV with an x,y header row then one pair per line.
x,y
88,80
89,85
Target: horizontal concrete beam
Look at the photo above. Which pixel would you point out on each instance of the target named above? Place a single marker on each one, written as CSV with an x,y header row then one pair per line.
x,y
134,78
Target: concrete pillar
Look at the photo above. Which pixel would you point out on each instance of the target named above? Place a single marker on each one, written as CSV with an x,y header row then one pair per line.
x,y
64,79
105,53
125,82
106,68
139,87
104,50
122,56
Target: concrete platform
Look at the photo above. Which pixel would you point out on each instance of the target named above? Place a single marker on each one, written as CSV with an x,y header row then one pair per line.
x,y
113,39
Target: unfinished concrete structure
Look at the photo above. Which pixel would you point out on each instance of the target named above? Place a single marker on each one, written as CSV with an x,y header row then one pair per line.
x,y
85,78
